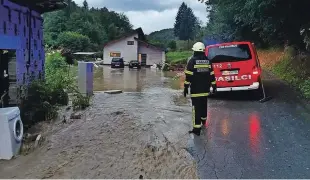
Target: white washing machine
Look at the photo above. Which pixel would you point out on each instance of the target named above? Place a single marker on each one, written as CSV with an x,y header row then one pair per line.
x,y
11,132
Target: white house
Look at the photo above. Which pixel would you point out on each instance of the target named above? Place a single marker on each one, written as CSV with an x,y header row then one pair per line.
x,y
133,46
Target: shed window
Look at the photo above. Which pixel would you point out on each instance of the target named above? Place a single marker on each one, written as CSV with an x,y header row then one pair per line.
x,y
115,54
130,42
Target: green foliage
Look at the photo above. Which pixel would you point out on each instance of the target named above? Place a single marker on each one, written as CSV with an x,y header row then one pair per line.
x,y
73,41
45,96
305,88
178,57
292,70
85,4
37,106
185,45
186,23
172,45
285,71
179,18
266,22
162,38
80,102
57,74
162,35
158,43
99,25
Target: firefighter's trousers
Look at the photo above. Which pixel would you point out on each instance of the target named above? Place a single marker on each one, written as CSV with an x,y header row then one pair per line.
x,y
199,111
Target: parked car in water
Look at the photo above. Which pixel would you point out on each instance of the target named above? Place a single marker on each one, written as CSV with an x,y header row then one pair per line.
x,y
117,63
134,63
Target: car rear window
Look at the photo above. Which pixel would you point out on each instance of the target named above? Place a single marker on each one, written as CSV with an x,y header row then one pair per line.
x,y
229,53
116,59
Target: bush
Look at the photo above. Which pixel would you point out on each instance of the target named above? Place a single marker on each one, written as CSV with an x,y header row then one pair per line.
x,y
44,96
80,102
305,88
38,104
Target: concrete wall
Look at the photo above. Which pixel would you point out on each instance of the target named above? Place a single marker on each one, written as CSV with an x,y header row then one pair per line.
x,y
21,30
154,56
128,52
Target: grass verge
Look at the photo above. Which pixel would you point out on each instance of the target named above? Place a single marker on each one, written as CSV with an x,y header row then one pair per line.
x,y
178,57
294,69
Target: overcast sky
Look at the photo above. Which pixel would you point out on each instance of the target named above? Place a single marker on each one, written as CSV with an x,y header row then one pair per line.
x,y
151,15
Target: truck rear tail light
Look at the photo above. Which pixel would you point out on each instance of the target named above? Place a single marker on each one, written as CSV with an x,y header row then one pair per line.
x,y
256,70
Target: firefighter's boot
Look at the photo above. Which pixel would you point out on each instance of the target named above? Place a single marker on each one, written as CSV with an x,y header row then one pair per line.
x,y
195,131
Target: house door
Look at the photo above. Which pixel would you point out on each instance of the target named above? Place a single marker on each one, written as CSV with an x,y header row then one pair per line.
x,y
143,59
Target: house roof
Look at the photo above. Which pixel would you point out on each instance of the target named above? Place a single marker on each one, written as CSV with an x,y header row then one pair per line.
x,y
150,45
42,6
138,31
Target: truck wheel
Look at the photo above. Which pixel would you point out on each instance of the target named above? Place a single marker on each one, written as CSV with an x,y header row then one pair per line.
x,y
258,93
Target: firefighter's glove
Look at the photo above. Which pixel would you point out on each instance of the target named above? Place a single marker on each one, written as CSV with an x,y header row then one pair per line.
x,y
185,91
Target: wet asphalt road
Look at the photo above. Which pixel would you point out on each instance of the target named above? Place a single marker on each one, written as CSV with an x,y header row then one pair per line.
x,y
248,139
245,138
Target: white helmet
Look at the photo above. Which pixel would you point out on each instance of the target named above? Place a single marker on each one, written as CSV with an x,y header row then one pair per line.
x,y
199,47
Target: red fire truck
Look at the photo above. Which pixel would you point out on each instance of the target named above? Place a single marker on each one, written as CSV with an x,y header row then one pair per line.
x,y
236,66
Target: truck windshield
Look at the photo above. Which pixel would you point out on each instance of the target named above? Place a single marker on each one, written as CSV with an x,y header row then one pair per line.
x,y
229,53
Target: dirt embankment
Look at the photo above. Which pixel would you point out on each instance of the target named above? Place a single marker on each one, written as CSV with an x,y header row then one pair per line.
x,y
290,66
269,58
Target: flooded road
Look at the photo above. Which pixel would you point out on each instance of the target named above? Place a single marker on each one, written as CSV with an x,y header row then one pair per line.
x,y
143,132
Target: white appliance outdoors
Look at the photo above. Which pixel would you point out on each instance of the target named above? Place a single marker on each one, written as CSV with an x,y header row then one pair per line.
x,y
11,132
85,78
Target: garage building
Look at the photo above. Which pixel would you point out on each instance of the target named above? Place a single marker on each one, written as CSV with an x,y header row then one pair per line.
x,y
133,46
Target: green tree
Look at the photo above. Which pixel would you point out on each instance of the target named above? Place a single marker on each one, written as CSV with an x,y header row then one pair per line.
x,y
186,23
179,18
73,41
271,22
172,45
94,23
85,4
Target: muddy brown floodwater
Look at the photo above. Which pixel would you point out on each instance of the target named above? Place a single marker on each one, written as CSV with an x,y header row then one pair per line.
x,y
142,131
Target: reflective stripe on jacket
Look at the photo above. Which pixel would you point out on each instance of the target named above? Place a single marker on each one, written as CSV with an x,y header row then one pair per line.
x,y
199,75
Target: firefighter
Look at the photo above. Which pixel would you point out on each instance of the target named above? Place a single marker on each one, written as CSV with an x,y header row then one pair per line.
x,y
199,78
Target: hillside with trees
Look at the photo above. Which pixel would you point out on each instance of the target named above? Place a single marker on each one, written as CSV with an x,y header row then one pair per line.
x,y
265,22
163,35
83,28
187,28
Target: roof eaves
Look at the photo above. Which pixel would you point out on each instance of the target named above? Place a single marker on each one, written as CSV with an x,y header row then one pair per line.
x,y
136,31
42,6
154,46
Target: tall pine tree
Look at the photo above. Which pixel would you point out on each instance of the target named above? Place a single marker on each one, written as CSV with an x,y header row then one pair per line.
x,y
179,18
85,4
185,23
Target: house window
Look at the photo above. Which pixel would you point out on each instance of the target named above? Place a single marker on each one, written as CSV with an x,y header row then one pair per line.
x,y
115,54
130,42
